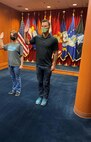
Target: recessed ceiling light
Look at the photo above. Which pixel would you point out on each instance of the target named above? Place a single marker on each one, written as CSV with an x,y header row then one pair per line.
x,y
74,4
26,9
48,6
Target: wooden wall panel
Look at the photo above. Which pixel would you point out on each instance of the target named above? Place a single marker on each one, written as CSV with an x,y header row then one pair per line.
x,y
9,20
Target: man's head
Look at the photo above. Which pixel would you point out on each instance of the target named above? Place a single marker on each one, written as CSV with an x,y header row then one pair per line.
x,y
13,35
45,26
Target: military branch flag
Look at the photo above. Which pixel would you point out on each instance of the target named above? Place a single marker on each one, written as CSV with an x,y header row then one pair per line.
x,y
45,15
34,30
27,28
57,32
64,40
21,39
80,38
71,47
39,31
50,21
34,26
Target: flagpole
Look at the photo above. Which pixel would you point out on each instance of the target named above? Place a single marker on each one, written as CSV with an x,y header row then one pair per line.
x,y
74,65
25,35
63,19
45,15
73,12
22,16
82,13
64,14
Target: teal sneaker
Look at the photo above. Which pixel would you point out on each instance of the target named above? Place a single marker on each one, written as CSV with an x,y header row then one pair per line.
x,y
38,101
17,94
44,101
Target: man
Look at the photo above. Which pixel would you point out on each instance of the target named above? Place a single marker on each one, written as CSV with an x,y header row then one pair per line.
x,y
46,46
15,61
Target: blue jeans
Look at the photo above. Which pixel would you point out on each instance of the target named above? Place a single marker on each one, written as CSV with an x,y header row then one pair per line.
x,y
43,76
16,79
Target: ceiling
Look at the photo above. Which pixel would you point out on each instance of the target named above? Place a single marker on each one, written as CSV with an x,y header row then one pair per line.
x,y
37,5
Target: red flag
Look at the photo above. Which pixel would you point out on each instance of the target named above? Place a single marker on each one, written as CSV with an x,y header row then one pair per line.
x,y
50,21
57,32
39,26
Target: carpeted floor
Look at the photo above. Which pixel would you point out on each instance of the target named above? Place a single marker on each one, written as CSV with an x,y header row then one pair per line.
x,y
22,121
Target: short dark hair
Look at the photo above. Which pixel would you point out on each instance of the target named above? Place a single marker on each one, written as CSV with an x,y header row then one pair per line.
x,y
15,33
45,20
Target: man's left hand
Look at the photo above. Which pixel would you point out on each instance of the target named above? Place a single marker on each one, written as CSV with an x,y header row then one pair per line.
x,y
21,67
52,68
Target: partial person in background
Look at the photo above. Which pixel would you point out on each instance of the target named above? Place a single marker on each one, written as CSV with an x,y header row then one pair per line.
x,y
15,61
46,46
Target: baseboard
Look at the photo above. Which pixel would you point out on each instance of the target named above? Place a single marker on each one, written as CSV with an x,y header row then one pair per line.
x,y
57,71
82,114
5,65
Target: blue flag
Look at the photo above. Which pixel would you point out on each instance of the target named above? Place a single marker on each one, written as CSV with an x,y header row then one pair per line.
x,y
64,40
34,29
71,47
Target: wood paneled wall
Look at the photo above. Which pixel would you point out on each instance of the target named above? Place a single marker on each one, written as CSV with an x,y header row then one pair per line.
x,y
9,20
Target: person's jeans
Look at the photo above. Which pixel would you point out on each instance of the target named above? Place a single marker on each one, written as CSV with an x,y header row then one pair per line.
x,y
16,79
43,76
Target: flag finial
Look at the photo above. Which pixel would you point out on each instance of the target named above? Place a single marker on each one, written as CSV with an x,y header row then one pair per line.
x,y
81,13
34,14
45,12
50,12
73,12
22,15
64,14
58,14
45,15
38,14
28,14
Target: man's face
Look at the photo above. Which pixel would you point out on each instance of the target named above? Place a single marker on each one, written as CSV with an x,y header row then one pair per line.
x,y
45,27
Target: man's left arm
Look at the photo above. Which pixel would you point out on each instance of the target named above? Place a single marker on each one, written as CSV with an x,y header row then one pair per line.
x,y
55,56
21,58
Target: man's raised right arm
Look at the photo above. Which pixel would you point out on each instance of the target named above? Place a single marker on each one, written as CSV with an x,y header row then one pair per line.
x,y
31,41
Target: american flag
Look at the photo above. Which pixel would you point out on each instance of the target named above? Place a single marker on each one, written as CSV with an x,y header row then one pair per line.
x,y
21,39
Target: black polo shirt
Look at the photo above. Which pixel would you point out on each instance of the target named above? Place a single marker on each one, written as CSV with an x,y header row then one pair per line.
x,y
44,49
